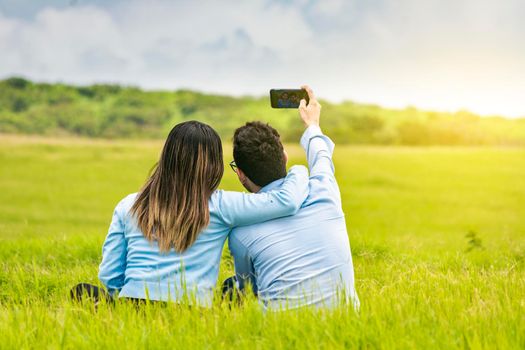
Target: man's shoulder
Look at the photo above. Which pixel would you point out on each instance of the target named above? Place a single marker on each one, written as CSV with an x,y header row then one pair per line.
x,y
268,227
250,233
240,238
244,231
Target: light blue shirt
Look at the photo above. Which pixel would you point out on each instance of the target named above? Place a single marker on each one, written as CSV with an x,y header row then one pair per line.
x,y
136,268
303,259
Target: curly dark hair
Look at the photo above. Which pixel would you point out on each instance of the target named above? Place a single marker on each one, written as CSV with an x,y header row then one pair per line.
x,y
259,153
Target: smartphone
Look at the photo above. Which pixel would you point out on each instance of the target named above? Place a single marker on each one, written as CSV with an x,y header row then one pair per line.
x,y
287,98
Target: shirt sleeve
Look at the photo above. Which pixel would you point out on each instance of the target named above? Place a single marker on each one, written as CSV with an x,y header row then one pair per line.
x,y
244,270
113,266
239,209
319,149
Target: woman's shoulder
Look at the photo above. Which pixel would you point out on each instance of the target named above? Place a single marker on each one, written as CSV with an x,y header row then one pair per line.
x,y
126,203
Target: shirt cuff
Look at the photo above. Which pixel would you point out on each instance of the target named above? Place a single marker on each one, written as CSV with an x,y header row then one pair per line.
x,y
309,133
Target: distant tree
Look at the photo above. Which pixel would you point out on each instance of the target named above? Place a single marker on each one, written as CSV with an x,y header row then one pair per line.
x,y
413,133
367,124
17,83
19,104
86,92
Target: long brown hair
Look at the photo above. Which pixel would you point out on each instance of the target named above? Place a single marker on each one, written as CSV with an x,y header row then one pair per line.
x,y
172,206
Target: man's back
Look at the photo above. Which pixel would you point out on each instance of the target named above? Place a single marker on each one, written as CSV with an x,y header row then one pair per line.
x,y
304,259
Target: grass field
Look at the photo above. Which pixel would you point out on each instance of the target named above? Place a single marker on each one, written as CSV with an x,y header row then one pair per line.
x,y
423,281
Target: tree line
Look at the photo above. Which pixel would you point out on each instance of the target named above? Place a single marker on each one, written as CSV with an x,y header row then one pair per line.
x,y
114,111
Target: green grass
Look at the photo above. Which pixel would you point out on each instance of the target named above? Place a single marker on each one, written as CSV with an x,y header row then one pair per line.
x,y
422,282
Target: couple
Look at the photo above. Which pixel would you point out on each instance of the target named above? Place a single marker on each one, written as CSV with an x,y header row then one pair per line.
x,y
288,237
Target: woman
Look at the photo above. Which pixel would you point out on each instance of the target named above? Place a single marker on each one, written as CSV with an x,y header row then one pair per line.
x,y
165,242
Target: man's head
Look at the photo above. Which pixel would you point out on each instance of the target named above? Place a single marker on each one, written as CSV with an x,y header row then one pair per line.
x,y
259,155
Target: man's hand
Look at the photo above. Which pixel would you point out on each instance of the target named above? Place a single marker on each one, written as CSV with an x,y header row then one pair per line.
x,y
310,113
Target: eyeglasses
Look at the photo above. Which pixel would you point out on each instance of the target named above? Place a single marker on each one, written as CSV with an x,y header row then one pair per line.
x,y
233,166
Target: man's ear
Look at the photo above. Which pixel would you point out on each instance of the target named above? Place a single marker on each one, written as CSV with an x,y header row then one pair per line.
x,y
246,182
242,177
285,157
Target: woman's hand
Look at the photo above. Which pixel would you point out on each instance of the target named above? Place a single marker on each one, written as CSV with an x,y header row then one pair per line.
x,y
311,113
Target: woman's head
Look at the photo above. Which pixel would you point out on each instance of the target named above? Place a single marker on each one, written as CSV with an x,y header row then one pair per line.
x,y
172,207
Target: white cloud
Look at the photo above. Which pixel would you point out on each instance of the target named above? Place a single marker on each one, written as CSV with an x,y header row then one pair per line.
x,y
434,53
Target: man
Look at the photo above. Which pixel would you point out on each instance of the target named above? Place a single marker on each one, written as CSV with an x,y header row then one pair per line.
x,y
303,259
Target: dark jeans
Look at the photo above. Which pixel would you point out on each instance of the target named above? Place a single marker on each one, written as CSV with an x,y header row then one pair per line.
x,y
85,291
231,290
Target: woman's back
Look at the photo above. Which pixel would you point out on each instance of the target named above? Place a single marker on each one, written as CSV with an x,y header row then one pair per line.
x,y
160,273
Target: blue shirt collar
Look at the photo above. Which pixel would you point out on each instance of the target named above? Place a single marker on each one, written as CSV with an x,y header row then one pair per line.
x,y
272,185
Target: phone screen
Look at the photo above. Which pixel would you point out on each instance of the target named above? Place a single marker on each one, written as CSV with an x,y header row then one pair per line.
x,y
287,98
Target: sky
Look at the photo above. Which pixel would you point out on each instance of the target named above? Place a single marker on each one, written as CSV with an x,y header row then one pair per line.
x,y
442,55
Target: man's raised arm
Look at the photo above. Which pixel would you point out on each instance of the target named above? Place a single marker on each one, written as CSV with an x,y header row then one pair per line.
x,y
318,147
